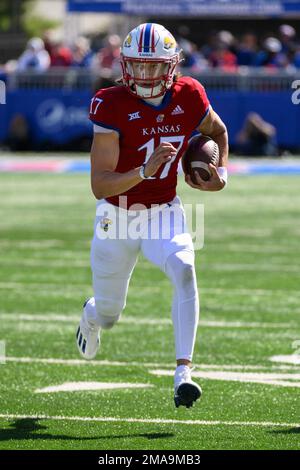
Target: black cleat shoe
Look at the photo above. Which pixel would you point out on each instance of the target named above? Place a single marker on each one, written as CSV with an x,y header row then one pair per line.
x,y
186,394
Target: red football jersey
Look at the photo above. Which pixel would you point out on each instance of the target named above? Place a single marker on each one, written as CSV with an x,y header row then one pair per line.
x,y
142,127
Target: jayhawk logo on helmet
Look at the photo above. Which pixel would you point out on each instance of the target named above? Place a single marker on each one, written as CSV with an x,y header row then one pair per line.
x,y
169,42
128,41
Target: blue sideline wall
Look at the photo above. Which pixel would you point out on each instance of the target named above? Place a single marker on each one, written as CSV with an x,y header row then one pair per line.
x,y
59,116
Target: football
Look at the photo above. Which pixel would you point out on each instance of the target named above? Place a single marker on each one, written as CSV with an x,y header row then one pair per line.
x,y
201,151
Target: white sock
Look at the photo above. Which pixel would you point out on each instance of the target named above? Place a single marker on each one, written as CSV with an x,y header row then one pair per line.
x,y
185,308
94,319
91,313
182,374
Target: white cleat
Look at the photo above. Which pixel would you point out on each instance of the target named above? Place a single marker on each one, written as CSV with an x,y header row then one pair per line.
x,y
186,392
87,337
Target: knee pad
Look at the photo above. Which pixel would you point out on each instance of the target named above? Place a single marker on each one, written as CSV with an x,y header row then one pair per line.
x,y
108,311
181,270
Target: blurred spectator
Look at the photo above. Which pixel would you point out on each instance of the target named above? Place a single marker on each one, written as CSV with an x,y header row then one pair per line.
x,y
35,57
222,56
246,50
226,38
271,55
223,59
82,54
257,137
296,58
19,136
61,55
210,45
221,50
108,57
49,38
287,36
193,58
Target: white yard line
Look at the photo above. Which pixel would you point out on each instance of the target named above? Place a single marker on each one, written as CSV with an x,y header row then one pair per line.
x,y
13,244
248,292
239,247
90,386
288,359
263,248
241,324
48,318
57,263
214,290
109,419
258,268
82,362
42,263
265,378
46,286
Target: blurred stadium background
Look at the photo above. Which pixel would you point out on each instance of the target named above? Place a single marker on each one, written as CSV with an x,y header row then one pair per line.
x,y
53,55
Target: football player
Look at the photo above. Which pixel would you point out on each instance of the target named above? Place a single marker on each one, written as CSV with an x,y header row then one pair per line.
x,y
141,129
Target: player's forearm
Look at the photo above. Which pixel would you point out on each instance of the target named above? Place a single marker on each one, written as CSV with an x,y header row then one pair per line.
x,y
214,127
110,183
221,139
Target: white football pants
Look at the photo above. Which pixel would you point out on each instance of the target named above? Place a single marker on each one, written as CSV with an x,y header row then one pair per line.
x,y
162,236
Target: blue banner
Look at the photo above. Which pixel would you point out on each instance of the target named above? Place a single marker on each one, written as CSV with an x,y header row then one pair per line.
x,y
57,117
53,116
112,6
189,8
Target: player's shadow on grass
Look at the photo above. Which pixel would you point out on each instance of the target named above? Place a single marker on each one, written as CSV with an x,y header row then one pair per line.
x,y
26,428
154,435
286,431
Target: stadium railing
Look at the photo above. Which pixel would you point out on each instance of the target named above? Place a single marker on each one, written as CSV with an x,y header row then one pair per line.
x,y
245,79
56,78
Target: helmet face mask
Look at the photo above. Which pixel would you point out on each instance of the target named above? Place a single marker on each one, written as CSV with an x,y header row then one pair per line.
x,y
149,58
148,78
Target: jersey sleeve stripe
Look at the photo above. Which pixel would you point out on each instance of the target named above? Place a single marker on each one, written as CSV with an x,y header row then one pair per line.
x,y
204,116
107,126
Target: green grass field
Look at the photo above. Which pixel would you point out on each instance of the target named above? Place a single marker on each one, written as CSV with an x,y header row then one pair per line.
x,y
249,278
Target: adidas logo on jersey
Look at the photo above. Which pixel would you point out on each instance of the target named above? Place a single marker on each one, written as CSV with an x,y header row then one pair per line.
x,y
177,110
